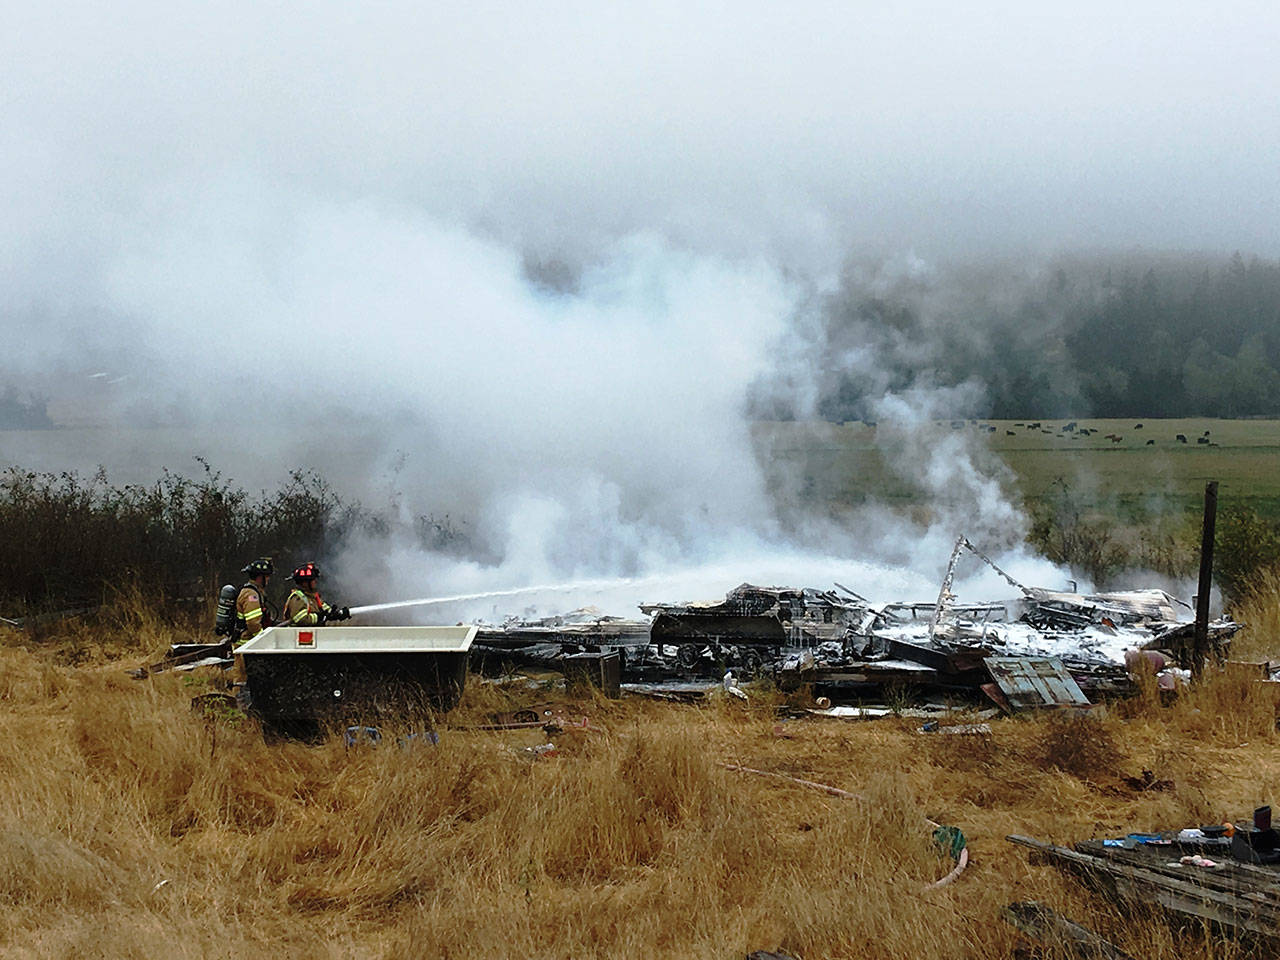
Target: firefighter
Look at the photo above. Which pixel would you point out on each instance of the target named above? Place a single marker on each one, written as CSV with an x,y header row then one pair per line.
x,y
253,610
305,608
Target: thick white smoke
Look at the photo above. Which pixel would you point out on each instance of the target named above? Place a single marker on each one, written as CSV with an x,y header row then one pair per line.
x,y
305,240
579,435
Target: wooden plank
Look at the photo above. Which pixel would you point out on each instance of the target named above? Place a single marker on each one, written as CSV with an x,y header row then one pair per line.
x,y
1179,896
1038,922
1230,877
198,652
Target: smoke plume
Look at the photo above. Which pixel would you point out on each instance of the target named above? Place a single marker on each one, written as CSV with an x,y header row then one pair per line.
x,y
536,270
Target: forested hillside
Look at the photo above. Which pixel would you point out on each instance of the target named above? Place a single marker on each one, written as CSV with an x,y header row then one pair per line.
x,y
1133,336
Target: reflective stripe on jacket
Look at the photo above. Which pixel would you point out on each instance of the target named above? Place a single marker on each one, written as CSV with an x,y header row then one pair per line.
x,y
301,610
253,612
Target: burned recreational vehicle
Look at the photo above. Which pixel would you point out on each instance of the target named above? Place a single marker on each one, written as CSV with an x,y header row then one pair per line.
x,y
845,645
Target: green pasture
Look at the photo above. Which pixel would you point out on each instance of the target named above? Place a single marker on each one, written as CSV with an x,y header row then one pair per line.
x,y
1146,472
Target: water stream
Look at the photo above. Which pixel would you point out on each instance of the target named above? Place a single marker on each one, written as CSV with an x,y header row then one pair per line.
x,y
515,591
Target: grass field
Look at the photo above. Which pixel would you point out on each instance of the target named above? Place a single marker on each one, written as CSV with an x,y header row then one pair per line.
x,y
132,827
828,463
1147,473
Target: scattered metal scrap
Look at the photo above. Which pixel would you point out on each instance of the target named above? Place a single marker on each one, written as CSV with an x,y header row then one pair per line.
x,y
846,646
671,690
189,656
1027,682
962,729
551,718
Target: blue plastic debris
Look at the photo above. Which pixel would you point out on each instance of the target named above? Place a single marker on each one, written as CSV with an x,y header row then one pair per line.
x,y
424,737
362,736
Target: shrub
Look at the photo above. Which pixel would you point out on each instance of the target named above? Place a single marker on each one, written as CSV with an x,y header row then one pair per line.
x,y
1245,545
71,541
1080,745
1066,534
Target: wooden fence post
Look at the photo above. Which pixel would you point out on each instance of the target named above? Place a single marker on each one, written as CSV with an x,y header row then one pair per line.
x,y
1200,651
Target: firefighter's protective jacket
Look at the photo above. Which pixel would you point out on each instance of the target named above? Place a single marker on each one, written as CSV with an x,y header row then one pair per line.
x,y
253,611
305,610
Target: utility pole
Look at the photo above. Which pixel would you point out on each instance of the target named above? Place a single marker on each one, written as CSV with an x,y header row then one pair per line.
x,y
1200,650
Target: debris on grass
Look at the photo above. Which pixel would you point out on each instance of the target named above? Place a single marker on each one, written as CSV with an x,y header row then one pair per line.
x,y
1039,923
1198,875
1052,647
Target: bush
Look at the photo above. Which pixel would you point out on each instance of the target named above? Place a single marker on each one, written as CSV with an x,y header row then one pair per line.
x,y
1075,529
1080,745
1245,546
1063,531
70,542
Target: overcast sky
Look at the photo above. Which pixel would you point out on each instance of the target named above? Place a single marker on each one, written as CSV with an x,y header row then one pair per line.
x,y
801,131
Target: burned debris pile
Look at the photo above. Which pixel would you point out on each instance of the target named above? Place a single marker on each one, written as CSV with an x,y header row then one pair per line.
x,y
1065,647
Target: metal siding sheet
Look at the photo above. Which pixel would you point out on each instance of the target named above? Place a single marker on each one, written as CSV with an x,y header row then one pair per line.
x,y
1035,681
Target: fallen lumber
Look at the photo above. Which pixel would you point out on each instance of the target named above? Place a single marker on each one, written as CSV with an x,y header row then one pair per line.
x,y
1039,923
213,652
1185,898
1230,876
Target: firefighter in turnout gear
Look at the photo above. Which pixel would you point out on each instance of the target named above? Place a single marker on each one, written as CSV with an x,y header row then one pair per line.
x,y
305,607
253,610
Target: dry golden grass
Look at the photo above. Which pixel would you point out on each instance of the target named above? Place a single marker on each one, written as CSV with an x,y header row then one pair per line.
x,y
131,827
1259,610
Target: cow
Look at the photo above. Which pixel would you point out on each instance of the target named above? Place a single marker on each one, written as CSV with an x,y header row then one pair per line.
x,y
1182,438
1151,443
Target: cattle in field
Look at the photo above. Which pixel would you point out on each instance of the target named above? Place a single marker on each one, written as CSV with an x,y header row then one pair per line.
x,y
1182,438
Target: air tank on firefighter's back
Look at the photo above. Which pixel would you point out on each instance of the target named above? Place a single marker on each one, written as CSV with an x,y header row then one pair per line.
x,y
224,621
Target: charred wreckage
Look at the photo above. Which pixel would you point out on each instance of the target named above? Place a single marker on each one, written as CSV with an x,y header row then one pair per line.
x,y
1064,646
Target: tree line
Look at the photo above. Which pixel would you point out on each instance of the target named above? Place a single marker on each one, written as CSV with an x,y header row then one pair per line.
x,y
1153,336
